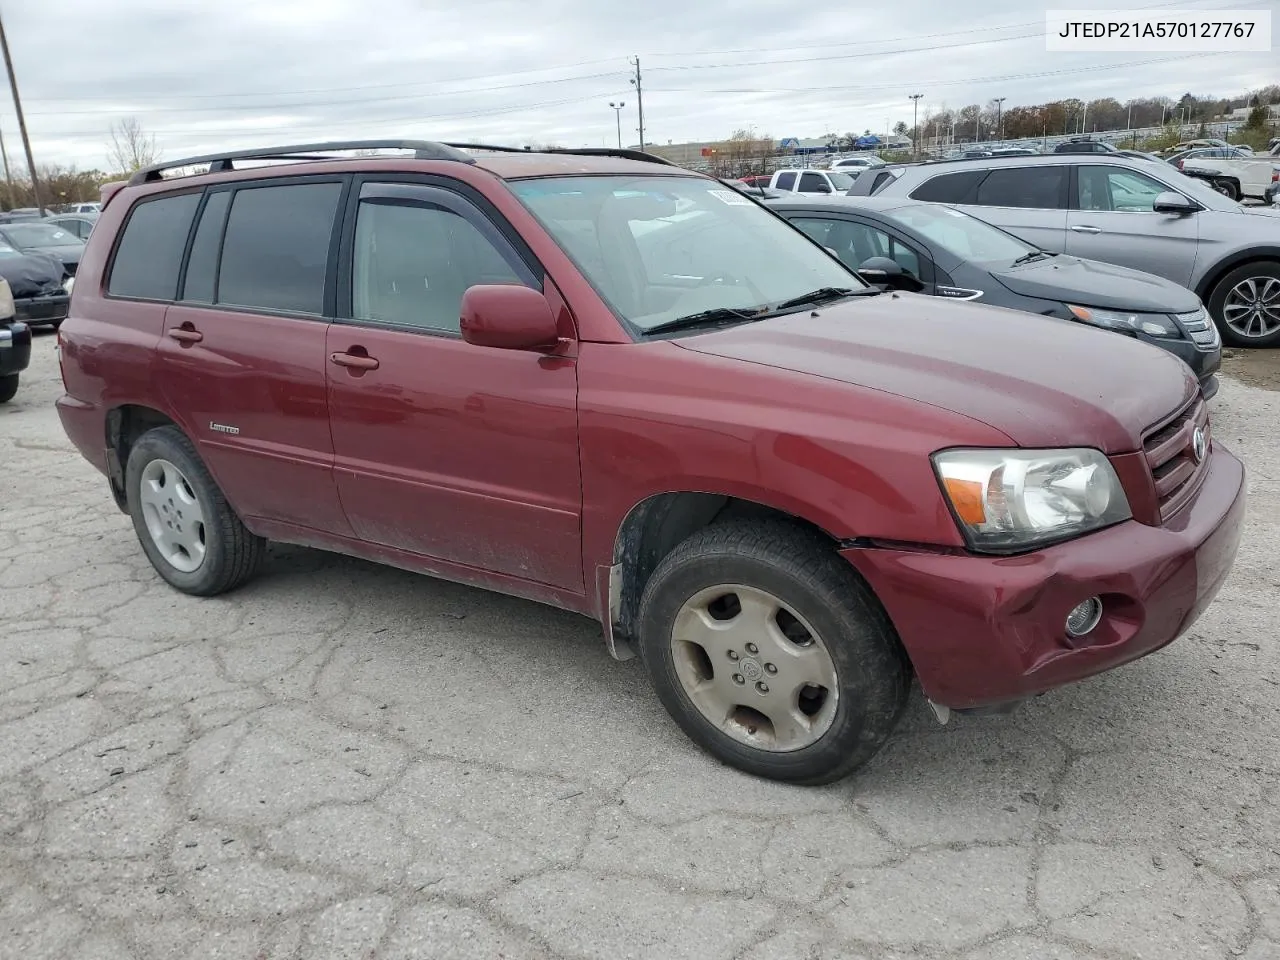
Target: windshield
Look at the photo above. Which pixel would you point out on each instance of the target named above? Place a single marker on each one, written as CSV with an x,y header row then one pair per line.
x,y
961,235
660,248
39,235
841,181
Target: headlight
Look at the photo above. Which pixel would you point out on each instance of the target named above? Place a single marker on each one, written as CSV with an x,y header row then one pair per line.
x,y
1009,500
1152,324
68,284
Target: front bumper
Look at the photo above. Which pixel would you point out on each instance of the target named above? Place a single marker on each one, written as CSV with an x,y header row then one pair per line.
x,y
40,310
1204,363
15,348
982,631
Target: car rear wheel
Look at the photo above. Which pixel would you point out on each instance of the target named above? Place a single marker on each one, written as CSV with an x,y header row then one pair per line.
x,y
1227,188
1246,305
186,527
8,387
771,653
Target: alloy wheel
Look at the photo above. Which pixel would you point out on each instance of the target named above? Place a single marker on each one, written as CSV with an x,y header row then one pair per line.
x,y
1252,307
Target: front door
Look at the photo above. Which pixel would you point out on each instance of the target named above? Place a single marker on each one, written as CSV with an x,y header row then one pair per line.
x,y
1112,220
461,453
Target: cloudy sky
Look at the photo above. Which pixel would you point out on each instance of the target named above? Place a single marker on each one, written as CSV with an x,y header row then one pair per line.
x,y
208,74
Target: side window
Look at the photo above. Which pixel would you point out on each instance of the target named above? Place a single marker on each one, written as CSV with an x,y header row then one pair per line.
x,y
202,265
149,256
414,260
1117,190
949,188
855,243
276,248
816,230
786,181
813,183
1038,188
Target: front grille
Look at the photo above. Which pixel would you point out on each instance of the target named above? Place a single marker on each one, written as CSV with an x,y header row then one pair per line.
x,y
1172,456
1200,328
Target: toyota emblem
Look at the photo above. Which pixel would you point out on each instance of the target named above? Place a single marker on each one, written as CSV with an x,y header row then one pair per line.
x,y
1199,444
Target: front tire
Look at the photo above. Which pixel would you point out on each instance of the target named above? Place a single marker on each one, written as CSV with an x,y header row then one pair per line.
x,y
771,653
186,527
1245,304
8,387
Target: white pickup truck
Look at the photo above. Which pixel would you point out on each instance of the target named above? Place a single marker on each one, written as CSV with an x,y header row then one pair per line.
x,y
811,181
1238,178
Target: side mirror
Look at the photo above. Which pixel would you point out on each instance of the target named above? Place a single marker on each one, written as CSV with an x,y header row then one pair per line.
x,y
1171,202
823,188
508,317
887,272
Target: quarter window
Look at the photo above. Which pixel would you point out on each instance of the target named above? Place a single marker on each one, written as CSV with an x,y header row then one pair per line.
x,y
949,188
150,253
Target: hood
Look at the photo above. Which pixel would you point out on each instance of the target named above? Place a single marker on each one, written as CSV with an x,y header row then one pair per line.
x,y
68,254
1091,283
32,275
1041,382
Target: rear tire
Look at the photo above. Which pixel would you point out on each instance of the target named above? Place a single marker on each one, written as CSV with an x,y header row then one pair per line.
x,y
808,612
8,387
186,527
1249,298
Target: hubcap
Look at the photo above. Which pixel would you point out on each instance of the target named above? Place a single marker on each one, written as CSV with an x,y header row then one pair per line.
x,y
172,515
1252,308
754,668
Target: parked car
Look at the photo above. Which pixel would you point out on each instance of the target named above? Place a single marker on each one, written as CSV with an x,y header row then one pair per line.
x,y
651,401
47,239
1216,153
1123,211
15,345
1141,155
1014,152
939,250
855,165
1237,177
21,215
1085,145
1273,194
37,283
80,224
811,181
82,208
756,181
974,154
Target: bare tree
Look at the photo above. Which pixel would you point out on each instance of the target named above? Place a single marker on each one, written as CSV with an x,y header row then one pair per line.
x,y
131,148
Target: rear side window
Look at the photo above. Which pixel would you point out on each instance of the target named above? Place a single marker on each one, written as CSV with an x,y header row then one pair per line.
x,y
276,248
1037,188
150,252
786,181
950,187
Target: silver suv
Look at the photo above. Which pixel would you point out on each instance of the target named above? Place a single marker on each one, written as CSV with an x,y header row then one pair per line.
x,y
1119,210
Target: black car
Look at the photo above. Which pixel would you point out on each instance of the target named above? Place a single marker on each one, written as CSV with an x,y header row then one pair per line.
x,y
1084,145
935,249
15,348
46,239
38,284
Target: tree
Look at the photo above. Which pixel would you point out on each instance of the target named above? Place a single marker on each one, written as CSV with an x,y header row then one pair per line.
x,y
967,121
131,148
900,128
1258,116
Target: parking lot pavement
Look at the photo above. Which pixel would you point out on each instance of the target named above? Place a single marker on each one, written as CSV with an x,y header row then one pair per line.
x,y
347,761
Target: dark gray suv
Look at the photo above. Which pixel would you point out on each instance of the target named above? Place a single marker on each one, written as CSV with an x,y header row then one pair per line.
x,y
1124,211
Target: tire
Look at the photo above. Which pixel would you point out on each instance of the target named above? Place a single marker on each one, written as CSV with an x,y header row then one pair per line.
x,y
820,594
223,553
8,387
1227,188
1228,294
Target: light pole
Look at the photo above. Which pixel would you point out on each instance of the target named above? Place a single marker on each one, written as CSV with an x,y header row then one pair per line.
x,y
617,115
915,133
999,119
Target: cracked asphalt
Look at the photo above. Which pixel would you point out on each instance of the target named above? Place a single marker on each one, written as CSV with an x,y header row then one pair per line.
x,y
347,761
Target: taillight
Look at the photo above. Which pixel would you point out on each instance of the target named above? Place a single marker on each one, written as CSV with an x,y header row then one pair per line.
x,y
1275,175
1179,164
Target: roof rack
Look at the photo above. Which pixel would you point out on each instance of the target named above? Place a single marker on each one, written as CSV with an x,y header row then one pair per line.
x,y
620,153
222,162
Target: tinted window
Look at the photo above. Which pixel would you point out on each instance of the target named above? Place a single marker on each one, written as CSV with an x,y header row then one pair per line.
x,y
813,183
949,188
413,262
1039,188
150,251
203,262
786,181
855,243
276,247
1115,189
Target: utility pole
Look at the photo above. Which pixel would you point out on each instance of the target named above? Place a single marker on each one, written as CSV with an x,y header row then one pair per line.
x,y
1000,119
915,133
22,123
8,176
617,114
635,82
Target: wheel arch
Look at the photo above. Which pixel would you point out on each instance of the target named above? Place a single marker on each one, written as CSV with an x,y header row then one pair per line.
x,y
1268,253
125,424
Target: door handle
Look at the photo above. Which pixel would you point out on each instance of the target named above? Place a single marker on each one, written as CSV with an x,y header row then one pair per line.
x,y
1083,229
353,360
186,335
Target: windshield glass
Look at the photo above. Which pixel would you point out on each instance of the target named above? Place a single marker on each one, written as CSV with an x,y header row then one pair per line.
x,y
39,235
658,248
841,181
961,235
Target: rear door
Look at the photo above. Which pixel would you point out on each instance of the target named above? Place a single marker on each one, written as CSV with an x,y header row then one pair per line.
x,y
1030,202
242,356
1112,220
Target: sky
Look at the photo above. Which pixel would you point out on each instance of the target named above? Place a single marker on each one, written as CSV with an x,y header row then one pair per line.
x,y
204,75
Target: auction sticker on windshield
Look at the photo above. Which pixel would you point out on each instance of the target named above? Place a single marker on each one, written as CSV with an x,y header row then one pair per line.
x,y
1142,31
730,197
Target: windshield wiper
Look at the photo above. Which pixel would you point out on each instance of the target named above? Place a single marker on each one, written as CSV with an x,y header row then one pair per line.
x,y
824,295
1033,255
707,318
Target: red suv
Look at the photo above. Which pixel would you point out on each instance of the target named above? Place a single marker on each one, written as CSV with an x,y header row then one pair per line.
x,y
599,381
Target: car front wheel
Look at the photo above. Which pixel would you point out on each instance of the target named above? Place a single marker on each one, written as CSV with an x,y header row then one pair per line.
x,y
188,530
771,653
1246,305
8,387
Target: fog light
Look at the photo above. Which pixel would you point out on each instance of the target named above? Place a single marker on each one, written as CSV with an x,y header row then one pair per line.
x,y
1084,617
